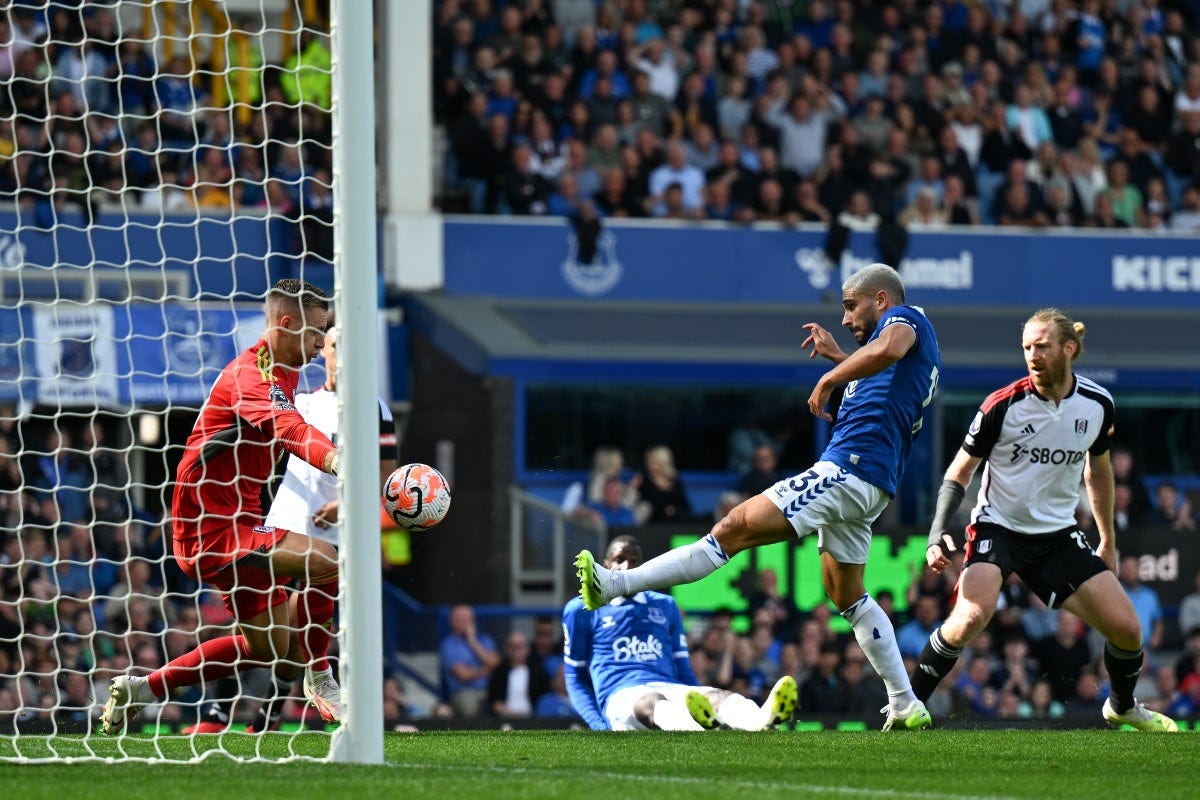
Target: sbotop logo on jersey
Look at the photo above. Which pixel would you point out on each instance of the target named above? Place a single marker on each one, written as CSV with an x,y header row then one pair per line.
x,y
633,648
1053,456
600,276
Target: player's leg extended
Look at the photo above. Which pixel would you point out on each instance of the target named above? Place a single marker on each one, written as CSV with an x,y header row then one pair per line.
x,y
741,713
314,562
876,637
1103,604
753,523
978,590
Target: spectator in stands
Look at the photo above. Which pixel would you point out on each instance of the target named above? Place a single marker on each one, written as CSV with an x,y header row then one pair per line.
x,y
1187,219
307,76
912,635
1189,610
923,212
611,510
1126,198
661,495
1041,703
1063,657
779,609
547,644
1171,509
676,170
555,703
821,692
468,658
517,681
957,208
1145,603
763,472
859,215
1105,217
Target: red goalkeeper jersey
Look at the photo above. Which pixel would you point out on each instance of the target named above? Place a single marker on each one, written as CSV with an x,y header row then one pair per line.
x,y
243,429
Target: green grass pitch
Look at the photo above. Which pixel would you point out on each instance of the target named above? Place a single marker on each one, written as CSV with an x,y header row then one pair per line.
x,y
933,765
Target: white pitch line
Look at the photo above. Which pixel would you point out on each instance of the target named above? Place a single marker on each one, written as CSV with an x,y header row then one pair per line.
x,y
852,791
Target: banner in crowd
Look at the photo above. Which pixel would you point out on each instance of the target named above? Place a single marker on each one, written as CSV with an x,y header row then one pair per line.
x,y
106,355
717,263
48,256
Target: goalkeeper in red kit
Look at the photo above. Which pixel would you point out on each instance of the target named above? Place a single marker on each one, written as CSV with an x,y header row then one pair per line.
x,y
219,537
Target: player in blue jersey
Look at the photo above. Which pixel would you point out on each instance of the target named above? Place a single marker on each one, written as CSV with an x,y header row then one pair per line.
x,y
887,383
627,666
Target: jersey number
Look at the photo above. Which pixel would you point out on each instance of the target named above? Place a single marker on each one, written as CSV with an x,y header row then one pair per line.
x,y
1081,539
933,379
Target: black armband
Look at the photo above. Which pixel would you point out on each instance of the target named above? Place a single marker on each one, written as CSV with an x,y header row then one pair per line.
x,y
949,498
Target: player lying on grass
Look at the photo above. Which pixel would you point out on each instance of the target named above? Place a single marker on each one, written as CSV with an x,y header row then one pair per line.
x,y
1036,438
218,533
627,666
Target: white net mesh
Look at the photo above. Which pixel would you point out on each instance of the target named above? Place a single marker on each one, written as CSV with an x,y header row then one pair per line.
x,y
162,164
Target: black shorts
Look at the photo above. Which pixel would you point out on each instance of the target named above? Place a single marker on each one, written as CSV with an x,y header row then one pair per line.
x,y
1053,565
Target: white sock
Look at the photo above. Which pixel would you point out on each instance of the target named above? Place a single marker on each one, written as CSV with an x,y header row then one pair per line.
x,y
684,564
671,716
741,713
875,636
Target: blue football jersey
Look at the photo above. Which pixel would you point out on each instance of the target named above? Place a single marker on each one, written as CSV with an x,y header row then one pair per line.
x,y
630,641
881,415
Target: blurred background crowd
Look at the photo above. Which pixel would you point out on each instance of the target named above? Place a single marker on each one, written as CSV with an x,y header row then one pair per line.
x,y
1010,112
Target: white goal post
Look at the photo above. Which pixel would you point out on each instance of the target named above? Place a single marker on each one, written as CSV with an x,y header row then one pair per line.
x,y
169,161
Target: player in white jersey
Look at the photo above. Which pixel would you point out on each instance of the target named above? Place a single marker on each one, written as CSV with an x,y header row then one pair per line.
x,y
1036,438
307,499
628,667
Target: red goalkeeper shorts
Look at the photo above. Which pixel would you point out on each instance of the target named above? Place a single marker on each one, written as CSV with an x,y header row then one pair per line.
x,y
235,557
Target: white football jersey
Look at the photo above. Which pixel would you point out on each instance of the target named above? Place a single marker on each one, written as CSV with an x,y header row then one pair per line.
x,y
305,488
1034,453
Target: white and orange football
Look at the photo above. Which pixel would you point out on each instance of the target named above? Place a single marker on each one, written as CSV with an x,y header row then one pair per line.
x,y
416,497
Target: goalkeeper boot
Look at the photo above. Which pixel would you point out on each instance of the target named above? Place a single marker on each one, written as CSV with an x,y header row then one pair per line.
x,y
911,718
322,690
701,709
597,585
127,696
780,703
1138,717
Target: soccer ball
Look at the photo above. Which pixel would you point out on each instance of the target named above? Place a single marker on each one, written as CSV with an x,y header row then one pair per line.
x,y
416,497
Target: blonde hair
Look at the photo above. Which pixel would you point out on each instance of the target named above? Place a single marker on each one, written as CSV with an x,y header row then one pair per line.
x,y
1065,328
663,456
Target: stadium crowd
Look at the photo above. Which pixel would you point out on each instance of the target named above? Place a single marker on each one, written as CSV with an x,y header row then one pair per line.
x,y
1036,113
95,116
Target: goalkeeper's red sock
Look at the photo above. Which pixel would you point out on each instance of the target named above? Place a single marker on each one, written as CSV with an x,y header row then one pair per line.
x,y
314,613
212,660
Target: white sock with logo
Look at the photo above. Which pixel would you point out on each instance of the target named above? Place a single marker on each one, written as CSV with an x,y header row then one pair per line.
x,y
877,638
741,713
670,715
684,564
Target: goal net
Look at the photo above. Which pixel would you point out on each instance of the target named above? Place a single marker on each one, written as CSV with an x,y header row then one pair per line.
x,y
162,164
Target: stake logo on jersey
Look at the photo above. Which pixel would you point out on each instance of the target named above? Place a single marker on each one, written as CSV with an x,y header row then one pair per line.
x,y
631,648
1035,453
631,641
881,414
